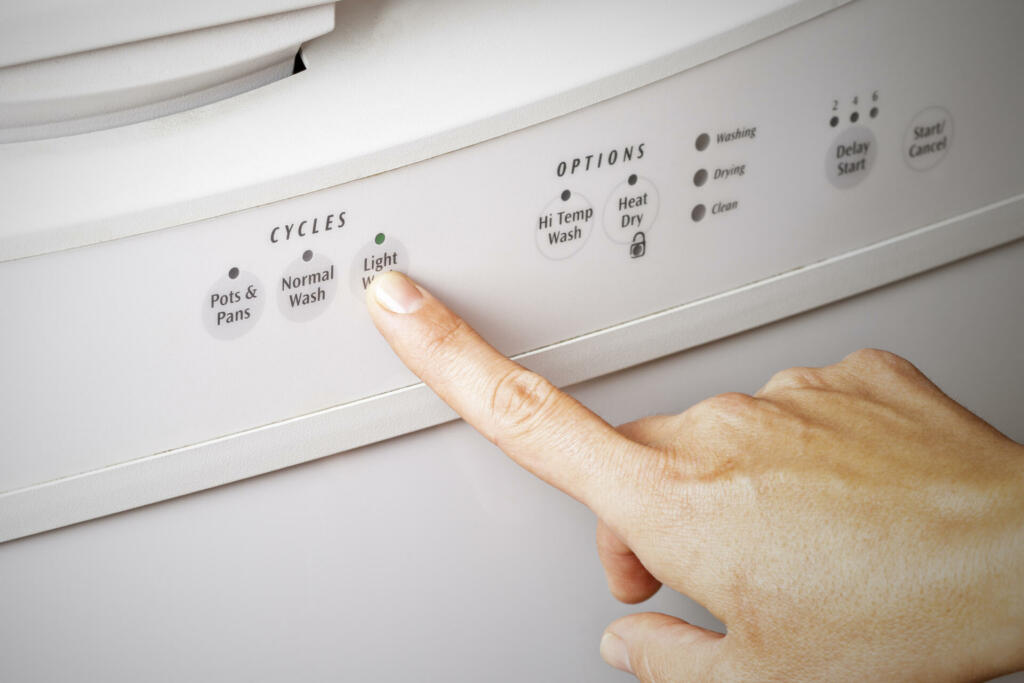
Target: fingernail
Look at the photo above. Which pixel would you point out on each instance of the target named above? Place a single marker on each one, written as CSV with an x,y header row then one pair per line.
x,y
614,651
397,293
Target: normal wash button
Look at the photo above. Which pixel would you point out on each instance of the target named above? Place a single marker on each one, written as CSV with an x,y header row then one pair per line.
x,y
306,287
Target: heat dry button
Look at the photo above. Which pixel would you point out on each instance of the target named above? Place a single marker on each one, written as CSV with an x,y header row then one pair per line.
x,y
928,138
382,253
233,304
307,287
851,156
631,209
564,226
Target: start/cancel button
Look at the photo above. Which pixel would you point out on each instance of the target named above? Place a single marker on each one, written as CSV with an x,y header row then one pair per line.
x,y
928,138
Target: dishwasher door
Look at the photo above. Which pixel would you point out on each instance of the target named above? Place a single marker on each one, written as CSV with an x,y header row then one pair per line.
x,y
431,557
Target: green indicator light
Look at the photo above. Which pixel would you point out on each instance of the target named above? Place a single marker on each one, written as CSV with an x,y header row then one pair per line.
x,y
379,239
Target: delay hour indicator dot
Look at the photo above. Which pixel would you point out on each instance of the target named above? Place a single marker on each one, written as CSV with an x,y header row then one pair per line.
x,y
307,255
233,273
379,239
854,117
565,195
700,177
632,179
703,140
874,112
698,213
834,121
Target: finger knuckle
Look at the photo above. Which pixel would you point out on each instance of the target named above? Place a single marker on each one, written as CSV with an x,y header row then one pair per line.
x,y
718,420
875,360
647,430
653,666
441,340
797,378
718,434
520,399
724,408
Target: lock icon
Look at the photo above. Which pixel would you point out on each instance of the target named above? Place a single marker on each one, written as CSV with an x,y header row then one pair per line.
x,y
638,247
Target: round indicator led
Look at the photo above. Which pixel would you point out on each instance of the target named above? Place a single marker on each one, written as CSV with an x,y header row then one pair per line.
x,y
379,239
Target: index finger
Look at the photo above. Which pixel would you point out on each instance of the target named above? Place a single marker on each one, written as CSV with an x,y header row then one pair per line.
x,y
543,429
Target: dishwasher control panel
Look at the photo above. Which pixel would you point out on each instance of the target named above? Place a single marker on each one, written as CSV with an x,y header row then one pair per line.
x,y
823,142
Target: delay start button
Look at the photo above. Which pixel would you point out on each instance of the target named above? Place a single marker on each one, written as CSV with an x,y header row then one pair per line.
x,y
631,209
563,227
382,253
851,157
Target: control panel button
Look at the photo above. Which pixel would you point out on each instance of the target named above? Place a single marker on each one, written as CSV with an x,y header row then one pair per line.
x,y
307,287
928,138
233,304
632,208
851,157
564,226
384,252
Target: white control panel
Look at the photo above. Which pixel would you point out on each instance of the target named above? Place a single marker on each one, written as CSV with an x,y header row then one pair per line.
x,y
837,156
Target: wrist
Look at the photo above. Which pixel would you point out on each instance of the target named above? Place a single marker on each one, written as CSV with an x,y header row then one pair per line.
x,y
1016,590
1006,634
984,618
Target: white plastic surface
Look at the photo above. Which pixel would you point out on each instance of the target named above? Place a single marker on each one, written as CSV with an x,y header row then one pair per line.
x,y
177,472
127,83
43,29
399,82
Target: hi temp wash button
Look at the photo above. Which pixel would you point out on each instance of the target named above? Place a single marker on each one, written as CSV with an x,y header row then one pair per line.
x,y
631,209
851,157
382,253
233,305
563,227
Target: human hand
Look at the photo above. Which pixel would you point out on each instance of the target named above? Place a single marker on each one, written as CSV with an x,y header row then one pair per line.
x,y
845,523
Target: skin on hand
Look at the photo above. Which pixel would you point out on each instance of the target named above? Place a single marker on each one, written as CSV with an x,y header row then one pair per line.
x,y
845,523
